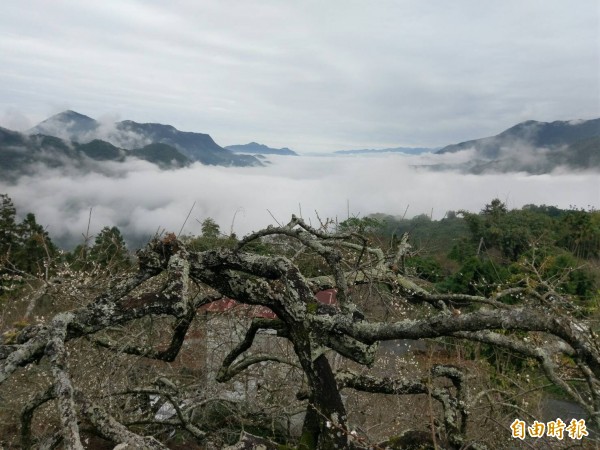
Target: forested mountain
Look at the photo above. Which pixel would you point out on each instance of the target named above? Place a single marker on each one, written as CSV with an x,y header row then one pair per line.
x,y
260,149
196,146
530,134
69,125
533,147
22,154
130,135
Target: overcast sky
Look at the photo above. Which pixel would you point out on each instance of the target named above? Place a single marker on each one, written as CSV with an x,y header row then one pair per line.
x,y
310,75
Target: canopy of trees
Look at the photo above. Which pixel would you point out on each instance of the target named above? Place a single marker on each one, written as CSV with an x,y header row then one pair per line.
x,y
476,348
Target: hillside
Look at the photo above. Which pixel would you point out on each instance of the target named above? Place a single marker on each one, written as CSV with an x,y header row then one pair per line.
x,y
68,125
527,135
127,134
163,155
260,149
22,154
18,153
532,147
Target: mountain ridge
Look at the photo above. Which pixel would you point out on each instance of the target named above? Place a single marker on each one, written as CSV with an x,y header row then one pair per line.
x,y
529,134
128,134
21,154
530,146
261,149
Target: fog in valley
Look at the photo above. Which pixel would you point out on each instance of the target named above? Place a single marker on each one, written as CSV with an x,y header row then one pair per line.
x,y
141,199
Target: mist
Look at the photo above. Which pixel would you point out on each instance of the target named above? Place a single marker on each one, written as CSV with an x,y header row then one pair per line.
x,y
141,199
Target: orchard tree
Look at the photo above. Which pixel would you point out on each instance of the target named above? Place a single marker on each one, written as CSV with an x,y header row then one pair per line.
x,y
528,319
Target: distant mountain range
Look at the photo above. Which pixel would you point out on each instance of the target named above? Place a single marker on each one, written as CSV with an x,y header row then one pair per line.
x,y
533,147
75,140
528,135
22,154
254,148
404,150
129,135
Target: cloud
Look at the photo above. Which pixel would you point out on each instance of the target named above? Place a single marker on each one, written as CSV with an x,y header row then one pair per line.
x,y
140,199
306,75
13,119
106,129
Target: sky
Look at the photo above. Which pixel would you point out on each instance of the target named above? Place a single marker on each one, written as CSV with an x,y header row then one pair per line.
x,y
313,75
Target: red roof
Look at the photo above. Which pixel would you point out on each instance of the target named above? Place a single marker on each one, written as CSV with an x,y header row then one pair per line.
x,y
326,297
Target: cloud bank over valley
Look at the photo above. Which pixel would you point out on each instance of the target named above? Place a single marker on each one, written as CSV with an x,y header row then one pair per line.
x,y
140,198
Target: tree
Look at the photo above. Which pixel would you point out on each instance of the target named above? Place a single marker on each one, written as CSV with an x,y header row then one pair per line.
x,y
25,248
8,241
8,226
210,228
172,281
109,249
36,249
360,225
511,232
581,233
494,209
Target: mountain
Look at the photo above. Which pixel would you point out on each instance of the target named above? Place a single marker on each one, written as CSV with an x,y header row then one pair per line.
x,y
196,146
68,125
19,153
532,147
101,150
130,135
404,150
582,154
260,149
163,155
530,135
22,154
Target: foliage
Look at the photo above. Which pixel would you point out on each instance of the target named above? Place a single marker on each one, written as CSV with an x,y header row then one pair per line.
x,y
511,232
501,243
426,268
109,249
211,237
434,238
475,277
8,227
25,247
210,229
127,336
580,233
364,225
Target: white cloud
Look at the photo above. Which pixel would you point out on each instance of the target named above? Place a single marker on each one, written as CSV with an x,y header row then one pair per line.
x,y
140,199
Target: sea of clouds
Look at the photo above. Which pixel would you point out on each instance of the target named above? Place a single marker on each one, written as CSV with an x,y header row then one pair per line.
x,y
141,199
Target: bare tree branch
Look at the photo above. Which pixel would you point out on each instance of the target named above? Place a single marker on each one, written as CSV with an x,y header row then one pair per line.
x,y
277,283
28,411
63,388
112,430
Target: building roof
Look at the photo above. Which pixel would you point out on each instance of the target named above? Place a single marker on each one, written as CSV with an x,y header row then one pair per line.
x,y
325,297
